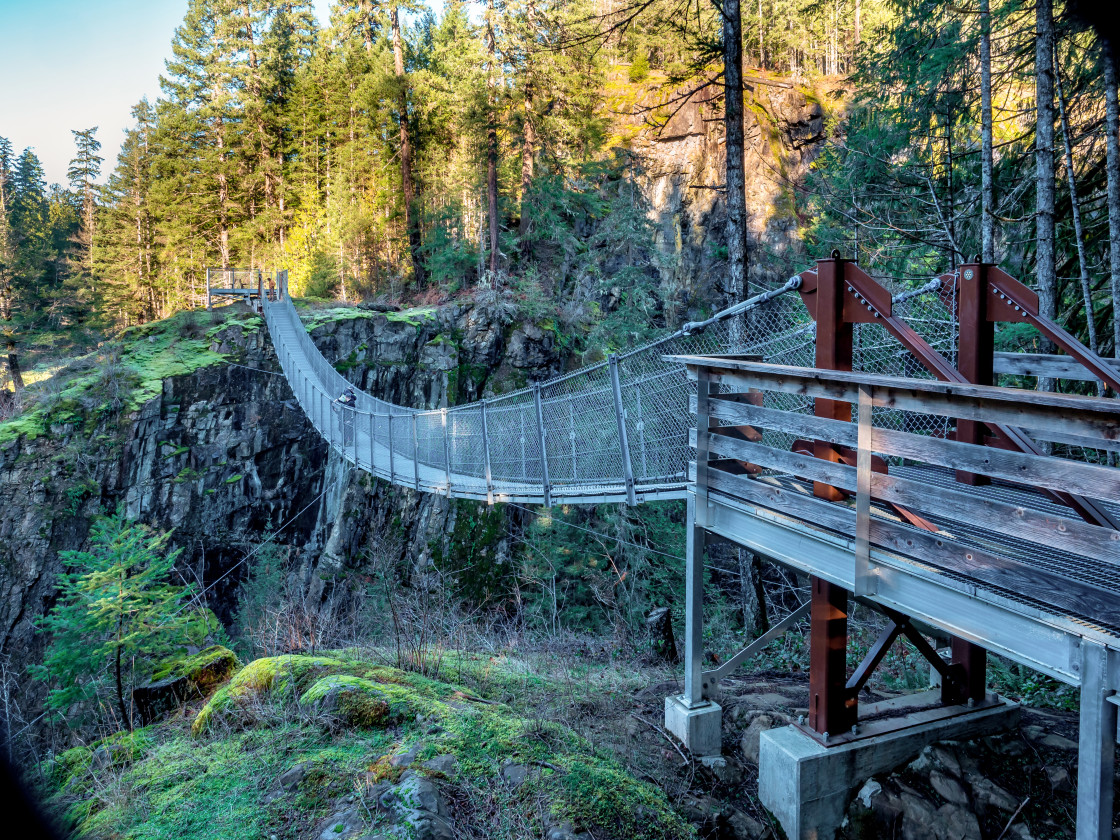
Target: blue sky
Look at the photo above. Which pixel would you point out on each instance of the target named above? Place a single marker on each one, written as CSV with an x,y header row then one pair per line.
x,y
73,64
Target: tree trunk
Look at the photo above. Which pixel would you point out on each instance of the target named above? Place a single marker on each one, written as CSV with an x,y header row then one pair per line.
x,y
528,147
987,188
492,140
223,187
1112,158
1044,166
411,218
13,366
733,128
126,719
1075,204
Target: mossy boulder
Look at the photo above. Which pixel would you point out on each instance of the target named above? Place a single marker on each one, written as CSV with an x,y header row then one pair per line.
x,y
181,680
206,671
348,700
272,675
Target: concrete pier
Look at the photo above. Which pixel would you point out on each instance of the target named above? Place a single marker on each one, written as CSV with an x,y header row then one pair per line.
x,y
808,785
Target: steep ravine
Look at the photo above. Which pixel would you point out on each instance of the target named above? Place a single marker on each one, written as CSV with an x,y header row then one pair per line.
x,y
224,457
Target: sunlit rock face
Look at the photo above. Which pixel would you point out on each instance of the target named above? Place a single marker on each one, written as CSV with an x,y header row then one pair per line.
x,y
681,158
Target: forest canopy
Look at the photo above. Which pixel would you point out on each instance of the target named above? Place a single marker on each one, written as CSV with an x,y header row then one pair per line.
x,y
400,151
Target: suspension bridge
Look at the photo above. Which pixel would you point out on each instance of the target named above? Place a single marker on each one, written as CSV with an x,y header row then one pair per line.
x,y
853,433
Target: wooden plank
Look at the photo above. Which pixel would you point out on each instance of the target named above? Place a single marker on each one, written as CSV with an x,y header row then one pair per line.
x,y
1070,535
1092,480
1079,440
1064,413
1042,585
1045,364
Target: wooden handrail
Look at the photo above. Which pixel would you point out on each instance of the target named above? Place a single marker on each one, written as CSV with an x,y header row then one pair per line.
x,y
1070,413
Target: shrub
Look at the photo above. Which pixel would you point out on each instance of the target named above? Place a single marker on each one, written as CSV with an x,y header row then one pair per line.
x,y
639,68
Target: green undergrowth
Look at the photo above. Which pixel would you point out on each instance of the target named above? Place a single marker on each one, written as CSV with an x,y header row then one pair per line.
x,y
122,375
343,716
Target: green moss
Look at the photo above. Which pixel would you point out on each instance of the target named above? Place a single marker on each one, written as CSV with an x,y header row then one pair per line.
x,y
99,385
470,554
67,768
183,788
597,792
206,670
264,676
355,701
233,479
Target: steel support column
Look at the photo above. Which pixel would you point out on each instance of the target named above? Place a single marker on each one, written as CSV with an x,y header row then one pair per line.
x,y
829,712
694,555
1096,755
623,440
546,484
975,350
828,623
975,361
486,453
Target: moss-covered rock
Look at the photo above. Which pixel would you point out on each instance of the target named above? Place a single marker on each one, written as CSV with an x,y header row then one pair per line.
x,y
206,671
241,783
349,700
271,675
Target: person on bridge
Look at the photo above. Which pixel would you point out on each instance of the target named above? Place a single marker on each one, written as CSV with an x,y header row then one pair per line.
x,y
345,405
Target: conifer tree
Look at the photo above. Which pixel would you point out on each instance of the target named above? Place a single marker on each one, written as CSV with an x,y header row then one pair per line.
x,y
118,614
85,168
7,265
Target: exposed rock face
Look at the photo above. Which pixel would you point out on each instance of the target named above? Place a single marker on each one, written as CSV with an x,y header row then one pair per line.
x,y
225,457
682,166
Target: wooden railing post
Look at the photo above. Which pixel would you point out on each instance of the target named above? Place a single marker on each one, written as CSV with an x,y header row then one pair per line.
x,y
623,440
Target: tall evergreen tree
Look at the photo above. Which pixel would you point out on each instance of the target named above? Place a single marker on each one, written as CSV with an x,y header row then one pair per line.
x,y
83,172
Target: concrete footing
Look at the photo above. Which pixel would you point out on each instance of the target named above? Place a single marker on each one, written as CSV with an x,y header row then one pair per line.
x,y
697,727
808,785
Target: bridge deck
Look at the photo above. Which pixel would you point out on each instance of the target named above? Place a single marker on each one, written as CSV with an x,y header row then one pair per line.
x,y
1069,598
361,436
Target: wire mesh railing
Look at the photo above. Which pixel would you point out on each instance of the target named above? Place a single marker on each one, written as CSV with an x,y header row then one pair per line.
x,y
614,431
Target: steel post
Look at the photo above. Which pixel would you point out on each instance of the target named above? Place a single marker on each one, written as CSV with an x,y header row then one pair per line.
x,y
486,453
415,456
694,554
833,352
864,577
975,361
392,465
828,626
1096,754
623,441
829,712
446,452
975,350
546,484
372,444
